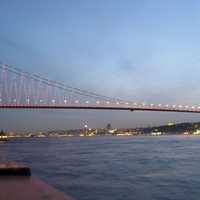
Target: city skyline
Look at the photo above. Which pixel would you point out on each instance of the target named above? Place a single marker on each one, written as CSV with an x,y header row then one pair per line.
x,y
138,50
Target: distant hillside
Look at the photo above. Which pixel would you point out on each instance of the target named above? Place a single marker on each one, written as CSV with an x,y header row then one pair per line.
x,y
176,128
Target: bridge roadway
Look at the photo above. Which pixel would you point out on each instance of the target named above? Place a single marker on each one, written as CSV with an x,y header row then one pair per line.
x,y
101,107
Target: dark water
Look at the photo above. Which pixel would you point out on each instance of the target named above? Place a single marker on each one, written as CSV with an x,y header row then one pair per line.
x,y
114,168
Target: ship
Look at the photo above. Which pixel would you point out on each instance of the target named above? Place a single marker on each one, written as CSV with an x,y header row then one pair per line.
x,y
3,138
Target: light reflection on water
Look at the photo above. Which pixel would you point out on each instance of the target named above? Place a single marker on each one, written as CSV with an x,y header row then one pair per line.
x,y
114,168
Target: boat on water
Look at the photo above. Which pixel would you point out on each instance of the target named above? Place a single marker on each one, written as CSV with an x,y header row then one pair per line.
x,y
3,138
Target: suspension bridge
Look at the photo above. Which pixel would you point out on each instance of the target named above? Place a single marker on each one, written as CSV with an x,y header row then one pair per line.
x,y
22,90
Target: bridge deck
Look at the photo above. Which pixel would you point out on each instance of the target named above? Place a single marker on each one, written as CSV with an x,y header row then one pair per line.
x,y
103,107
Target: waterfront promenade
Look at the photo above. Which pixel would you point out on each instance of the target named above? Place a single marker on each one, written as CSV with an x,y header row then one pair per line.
x,y
14,186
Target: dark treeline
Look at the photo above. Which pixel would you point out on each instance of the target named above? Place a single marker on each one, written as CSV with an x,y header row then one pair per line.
x,y
176,128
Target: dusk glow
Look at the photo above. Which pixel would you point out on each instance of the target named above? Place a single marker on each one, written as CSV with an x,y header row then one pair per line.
x,y
142,51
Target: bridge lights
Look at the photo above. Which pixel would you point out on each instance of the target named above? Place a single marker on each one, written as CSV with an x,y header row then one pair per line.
x,y
167,105
107,102
180,106
135,104
65,101
117,103
77,101
186,107
159,104
144,104
193,107
174,106
151,104
14,100
97,102
87,102
127,103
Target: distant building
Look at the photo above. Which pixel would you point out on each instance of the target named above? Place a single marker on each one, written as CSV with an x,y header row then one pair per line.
x,y
156,133
108,127
170,124
2,133
197,132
